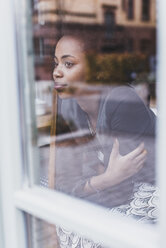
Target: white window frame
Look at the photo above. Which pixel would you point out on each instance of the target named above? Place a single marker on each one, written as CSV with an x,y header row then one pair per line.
x,y
17,197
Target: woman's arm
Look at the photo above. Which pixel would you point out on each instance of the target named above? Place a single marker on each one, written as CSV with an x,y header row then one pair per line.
x,y
119,169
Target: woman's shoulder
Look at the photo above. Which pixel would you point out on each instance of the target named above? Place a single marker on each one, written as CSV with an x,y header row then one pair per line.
x,y
120,95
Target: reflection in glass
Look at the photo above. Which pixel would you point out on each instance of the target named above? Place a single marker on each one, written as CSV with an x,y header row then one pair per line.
x,y
97,117
146,4
46,235
130,9
41,234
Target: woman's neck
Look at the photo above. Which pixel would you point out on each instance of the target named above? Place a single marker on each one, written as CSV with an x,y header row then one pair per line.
x,y
90,104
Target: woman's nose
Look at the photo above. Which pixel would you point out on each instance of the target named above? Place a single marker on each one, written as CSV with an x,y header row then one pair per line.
x,y
57,73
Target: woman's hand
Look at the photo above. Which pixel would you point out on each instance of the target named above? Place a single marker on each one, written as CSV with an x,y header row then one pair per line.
x,y
119,168
122,167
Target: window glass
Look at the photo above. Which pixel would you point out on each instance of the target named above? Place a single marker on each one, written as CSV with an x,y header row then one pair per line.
x,y
146,10
96,104
46,235
109,24
124,5
130,9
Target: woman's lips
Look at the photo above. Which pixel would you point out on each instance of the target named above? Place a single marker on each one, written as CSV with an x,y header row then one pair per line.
x,y
58,86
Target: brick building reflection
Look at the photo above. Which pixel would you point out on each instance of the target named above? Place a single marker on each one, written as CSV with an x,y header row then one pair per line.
x,y
112,25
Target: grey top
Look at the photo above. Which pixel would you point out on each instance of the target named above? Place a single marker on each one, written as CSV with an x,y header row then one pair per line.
x,y
122,114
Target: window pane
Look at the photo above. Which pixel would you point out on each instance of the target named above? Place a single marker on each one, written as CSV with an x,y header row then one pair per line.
x,y
130,9
96,104
45,235
146,10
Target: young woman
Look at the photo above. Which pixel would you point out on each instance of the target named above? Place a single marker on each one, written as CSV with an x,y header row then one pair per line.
x,y
107,166
102,174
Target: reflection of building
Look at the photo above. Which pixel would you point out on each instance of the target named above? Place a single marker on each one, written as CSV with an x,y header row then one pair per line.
x,y
112,25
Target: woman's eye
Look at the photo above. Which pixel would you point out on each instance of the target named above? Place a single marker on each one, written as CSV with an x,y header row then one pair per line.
x,y
55,64
68,64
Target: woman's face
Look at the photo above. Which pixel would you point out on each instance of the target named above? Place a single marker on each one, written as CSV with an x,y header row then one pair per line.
x,y
70,64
